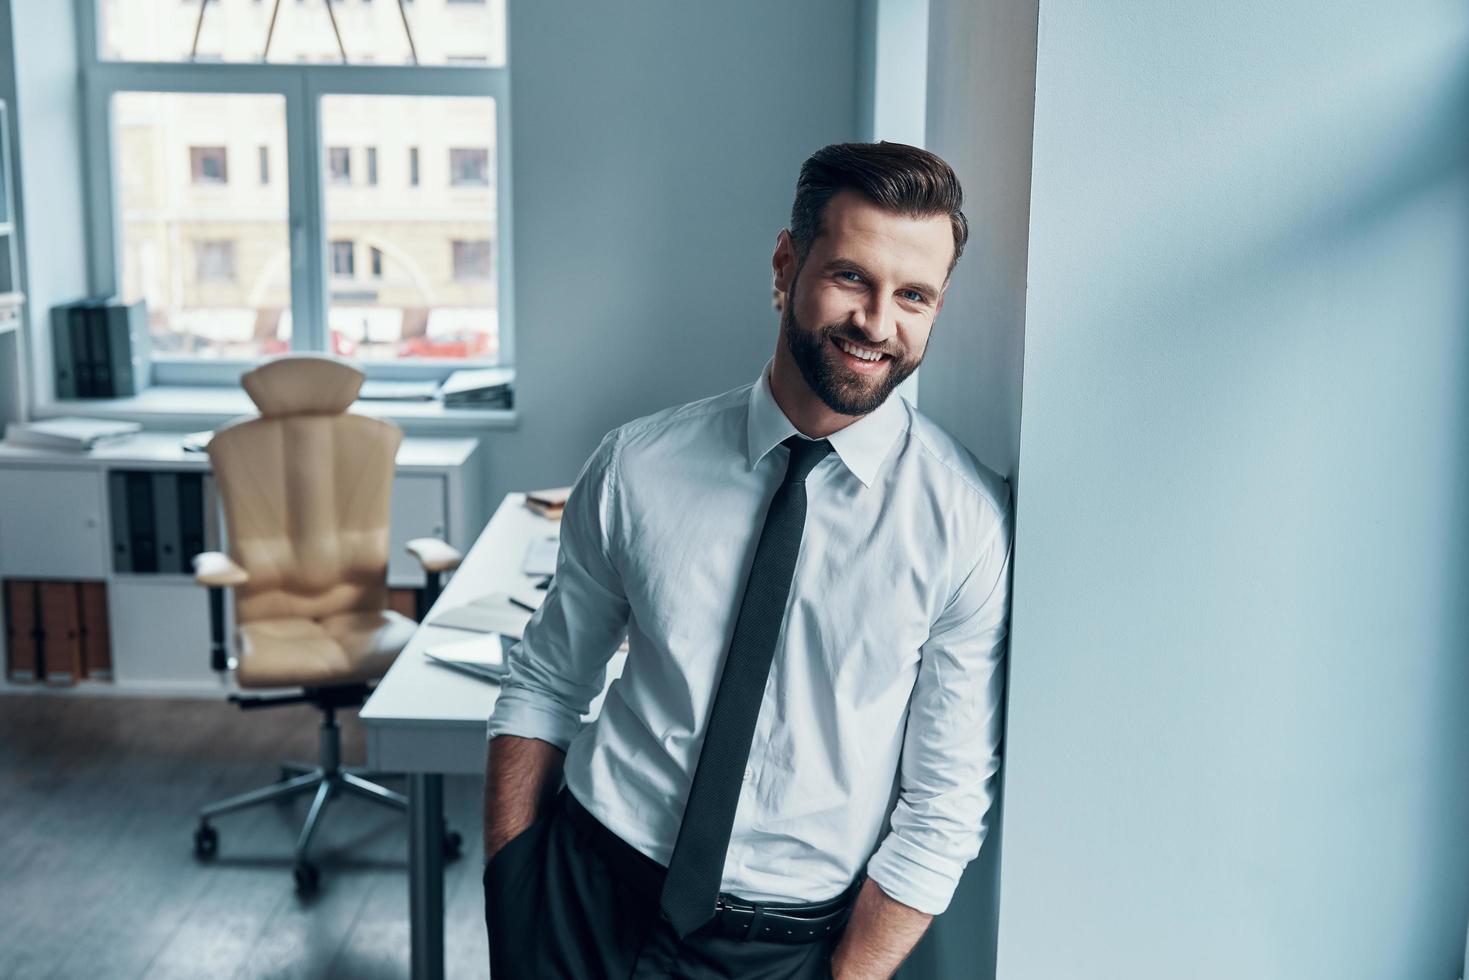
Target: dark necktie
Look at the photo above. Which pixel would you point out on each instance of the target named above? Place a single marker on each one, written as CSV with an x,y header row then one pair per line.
x,y
697,865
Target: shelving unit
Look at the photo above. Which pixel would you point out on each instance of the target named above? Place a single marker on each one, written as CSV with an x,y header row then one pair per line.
x,y
12,301
56,526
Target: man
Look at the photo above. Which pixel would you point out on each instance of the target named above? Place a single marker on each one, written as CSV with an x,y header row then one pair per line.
x,y
795,765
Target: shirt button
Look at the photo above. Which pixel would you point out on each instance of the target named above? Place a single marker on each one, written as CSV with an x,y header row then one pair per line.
x,y
748,773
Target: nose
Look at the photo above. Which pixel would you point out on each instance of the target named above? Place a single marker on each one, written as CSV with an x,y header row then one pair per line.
x,y
877,318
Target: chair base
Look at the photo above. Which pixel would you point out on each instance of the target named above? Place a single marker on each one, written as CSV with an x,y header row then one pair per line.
x,y
325,781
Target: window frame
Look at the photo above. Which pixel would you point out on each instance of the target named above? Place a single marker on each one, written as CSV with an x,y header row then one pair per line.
x,y
302,86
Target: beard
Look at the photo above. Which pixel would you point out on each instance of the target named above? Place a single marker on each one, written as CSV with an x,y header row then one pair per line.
x,y
841,389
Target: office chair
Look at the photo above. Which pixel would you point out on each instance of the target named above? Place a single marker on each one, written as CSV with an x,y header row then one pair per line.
x,y
306,489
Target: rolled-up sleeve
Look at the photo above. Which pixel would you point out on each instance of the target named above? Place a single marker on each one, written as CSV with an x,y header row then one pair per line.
x,y
951,749
560,664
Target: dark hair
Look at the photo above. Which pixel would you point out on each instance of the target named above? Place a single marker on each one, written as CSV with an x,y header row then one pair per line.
x,y
896,177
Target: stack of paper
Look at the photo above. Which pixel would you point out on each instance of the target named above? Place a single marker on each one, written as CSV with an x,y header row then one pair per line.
x,y
493,613
548,503
482,657
67,433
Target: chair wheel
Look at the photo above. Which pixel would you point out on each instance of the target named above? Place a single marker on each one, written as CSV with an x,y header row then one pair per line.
x,y
206,842
453,845
308,879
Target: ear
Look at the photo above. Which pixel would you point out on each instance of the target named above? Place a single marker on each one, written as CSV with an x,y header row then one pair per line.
x,y
783,262
939,306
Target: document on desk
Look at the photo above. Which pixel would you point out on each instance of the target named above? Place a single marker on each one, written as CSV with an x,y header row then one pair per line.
x,y
482,657
540,555
492,613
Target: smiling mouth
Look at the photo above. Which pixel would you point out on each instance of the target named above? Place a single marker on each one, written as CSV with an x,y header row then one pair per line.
x,y
864,355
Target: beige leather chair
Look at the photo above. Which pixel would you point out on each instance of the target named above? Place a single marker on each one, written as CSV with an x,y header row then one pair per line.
x,y
306,489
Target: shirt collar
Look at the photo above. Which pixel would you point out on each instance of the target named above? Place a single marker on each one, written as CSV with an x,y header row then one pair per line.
x,y
862,446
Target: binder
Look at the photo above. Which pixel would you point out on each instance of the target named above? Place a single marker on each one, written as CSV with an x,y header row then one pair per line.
x,y
122,540
141,530
212,540
191,518
96,640
81,350
20,628
127,345
96,317
61,355
61,633
166,523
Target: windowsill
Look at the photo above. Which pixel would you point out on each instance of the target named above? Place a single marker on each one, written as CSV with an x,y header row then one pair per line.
x,y
203,407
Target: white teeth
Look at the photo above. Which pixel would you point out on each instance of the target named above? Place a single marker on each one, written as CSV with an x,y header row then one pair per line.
x,y
858,352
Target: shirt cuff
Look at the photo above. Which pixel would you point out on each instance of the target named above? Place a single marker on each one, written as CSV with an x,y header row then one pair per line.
x,y
522,714
909,874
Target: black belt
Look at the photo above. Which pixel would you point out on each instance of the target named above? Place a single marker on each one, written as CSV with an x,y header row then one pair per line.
x,y
734,918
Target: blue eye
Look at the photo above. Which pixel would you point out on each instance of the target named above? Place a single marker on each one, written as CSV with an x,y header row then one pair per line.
x,y
913,295
848,272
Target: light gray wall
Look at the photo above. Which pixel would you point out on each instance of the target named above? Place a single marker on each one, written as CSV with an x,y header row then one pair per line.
x,y
1238,740
981,81
48,168
656,147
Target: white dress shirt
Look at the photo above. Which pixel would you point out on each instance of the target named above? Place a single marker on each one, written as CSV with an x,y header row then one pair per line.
x,y
879,726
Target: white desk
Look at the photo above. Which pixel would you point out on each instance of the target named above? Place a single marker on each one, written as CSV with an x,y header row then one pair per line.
x,y
426,720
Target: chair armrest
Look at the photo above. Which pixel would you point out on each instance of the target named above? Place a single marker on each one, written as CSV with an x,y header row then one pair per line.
x,y
435,555
217,570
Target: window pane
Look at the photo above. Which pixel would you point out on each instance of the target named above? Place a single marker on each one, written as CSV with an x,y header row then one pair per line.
x,y
443,32
469,166
339,165
208,165
428,286
211,257
342,260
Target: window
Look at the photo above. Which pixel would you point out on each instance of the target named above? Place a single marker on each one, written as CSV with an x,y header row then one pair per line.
x,y
339,164
214,260
208,165
303,31
342,264
414,301
469,167
234,270
472,259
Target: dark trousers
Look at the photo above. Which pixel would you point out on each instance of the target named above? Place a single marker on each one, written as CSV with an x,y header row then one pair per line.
x,y
557,906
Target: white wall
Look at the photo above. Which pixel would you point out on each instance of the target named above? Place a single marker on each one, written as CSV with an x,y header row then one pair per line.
x,y
656,149
40,85
1238,740
981,79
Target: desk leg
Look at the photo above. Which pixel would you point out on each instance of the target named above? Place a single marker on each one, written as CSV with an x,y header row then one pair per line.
x,y
426,873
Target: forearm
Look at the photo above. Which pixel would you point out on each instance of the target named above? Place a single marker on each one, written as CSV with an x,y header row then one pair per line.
x,y
879,936
521,777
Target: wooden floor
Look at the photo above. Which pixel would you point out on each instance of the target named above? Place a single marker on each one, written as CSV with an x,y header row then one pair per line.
x,y
98,877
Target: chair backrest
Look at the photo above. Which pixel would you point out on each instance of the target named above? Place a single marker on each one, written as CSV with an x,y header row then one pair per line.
x,y
306,490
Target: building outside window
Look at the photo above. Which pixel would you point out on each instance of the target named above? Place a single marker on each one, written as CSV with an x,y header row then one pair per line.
x,y
236,270
214,260
469,167
343,264
208,165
